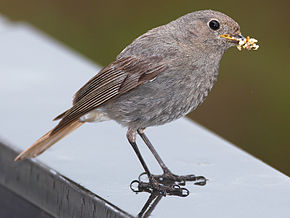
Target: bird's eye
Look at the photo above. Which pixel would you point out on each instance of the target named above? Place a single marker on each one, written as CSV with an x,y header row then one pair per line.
x,y
214,24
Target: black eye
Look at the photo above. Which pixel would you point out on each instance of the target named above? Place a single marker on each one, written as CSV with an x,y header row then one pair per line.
x,y
214,24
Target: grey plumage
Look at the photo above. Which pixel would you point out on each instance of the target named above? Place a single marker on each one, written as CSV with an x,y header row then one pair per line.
x,y
192,54
184,56
159,77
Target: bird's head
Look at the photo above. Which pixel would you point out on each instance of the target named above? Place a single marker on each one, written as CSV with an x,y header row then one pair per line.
x,y
213,29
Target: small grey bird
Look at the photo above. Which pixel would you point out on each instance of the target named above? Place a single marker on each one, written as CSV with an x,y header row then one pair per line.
x,y
161,76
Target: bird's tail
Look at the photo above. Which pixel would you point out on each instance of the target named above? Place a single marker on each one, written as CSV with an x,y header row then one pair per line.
x,y
48,140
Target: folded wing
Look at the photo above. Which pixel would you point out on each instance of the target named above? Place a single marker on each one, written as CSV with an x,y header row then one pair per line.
x,y
118,78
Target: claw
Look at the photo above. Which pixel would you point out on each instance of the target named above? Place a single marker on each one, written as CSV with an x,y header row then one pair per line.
x,y
141,175
200,181
182,183
135,188
161,190
192,177
169,178
178,191
184,192
166,184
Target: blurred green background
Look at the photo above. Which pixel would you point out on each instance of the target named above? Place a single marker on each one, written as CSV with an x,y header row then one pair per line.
x,y
250,103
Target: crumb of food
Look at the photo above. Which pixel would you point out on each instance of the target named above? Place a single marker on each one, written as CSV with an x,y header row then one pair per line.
x,y
246,43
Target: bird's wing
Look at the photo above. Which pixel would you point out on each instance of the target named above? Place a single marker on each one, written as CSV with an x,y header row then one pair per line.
x,y
120,77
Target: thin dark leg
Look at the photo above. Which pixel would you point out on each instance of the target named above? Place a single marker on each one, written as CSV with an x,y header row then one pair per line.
x,y
168,177
152,186
152,149
131,136
134,146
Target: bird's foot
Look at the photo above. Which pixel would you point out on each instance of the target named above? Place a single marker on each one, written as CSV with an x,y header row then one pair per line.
x,y
154,187
169,178
165,184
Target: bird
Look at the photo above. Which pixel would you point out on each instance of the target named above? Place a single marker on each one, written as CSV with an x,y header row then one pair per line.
x,y
161,76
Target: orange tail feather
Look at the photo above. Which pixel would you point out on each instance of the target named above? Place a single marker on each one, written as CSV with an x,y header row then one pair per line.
x,y
47,140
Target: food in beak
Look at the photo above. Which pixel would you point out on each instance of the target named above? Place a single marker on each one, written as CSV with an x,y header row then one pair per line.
x,y
246,43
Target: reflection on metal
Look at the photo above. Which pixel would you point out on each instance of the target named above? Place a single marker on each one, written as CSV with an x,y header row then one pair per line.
x,y
149,206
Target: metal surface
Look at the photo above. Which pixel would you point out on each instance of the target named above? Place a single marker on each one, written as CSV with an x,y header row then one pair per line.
x,y
13,206
98,157
50,191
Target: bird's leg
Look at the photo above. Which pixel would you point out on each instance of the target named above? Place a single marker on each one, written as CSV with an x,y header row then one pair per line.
x,y
165,169
131,136
153,186
168,177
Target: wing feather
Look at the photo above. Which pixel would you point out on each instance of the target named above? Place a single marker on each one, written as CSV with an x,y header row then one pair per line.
x,y
118,78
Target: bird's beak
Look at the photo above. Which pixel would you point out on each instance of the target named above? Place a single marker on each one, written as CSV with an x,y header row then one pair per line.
x,y
235,38
242,42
